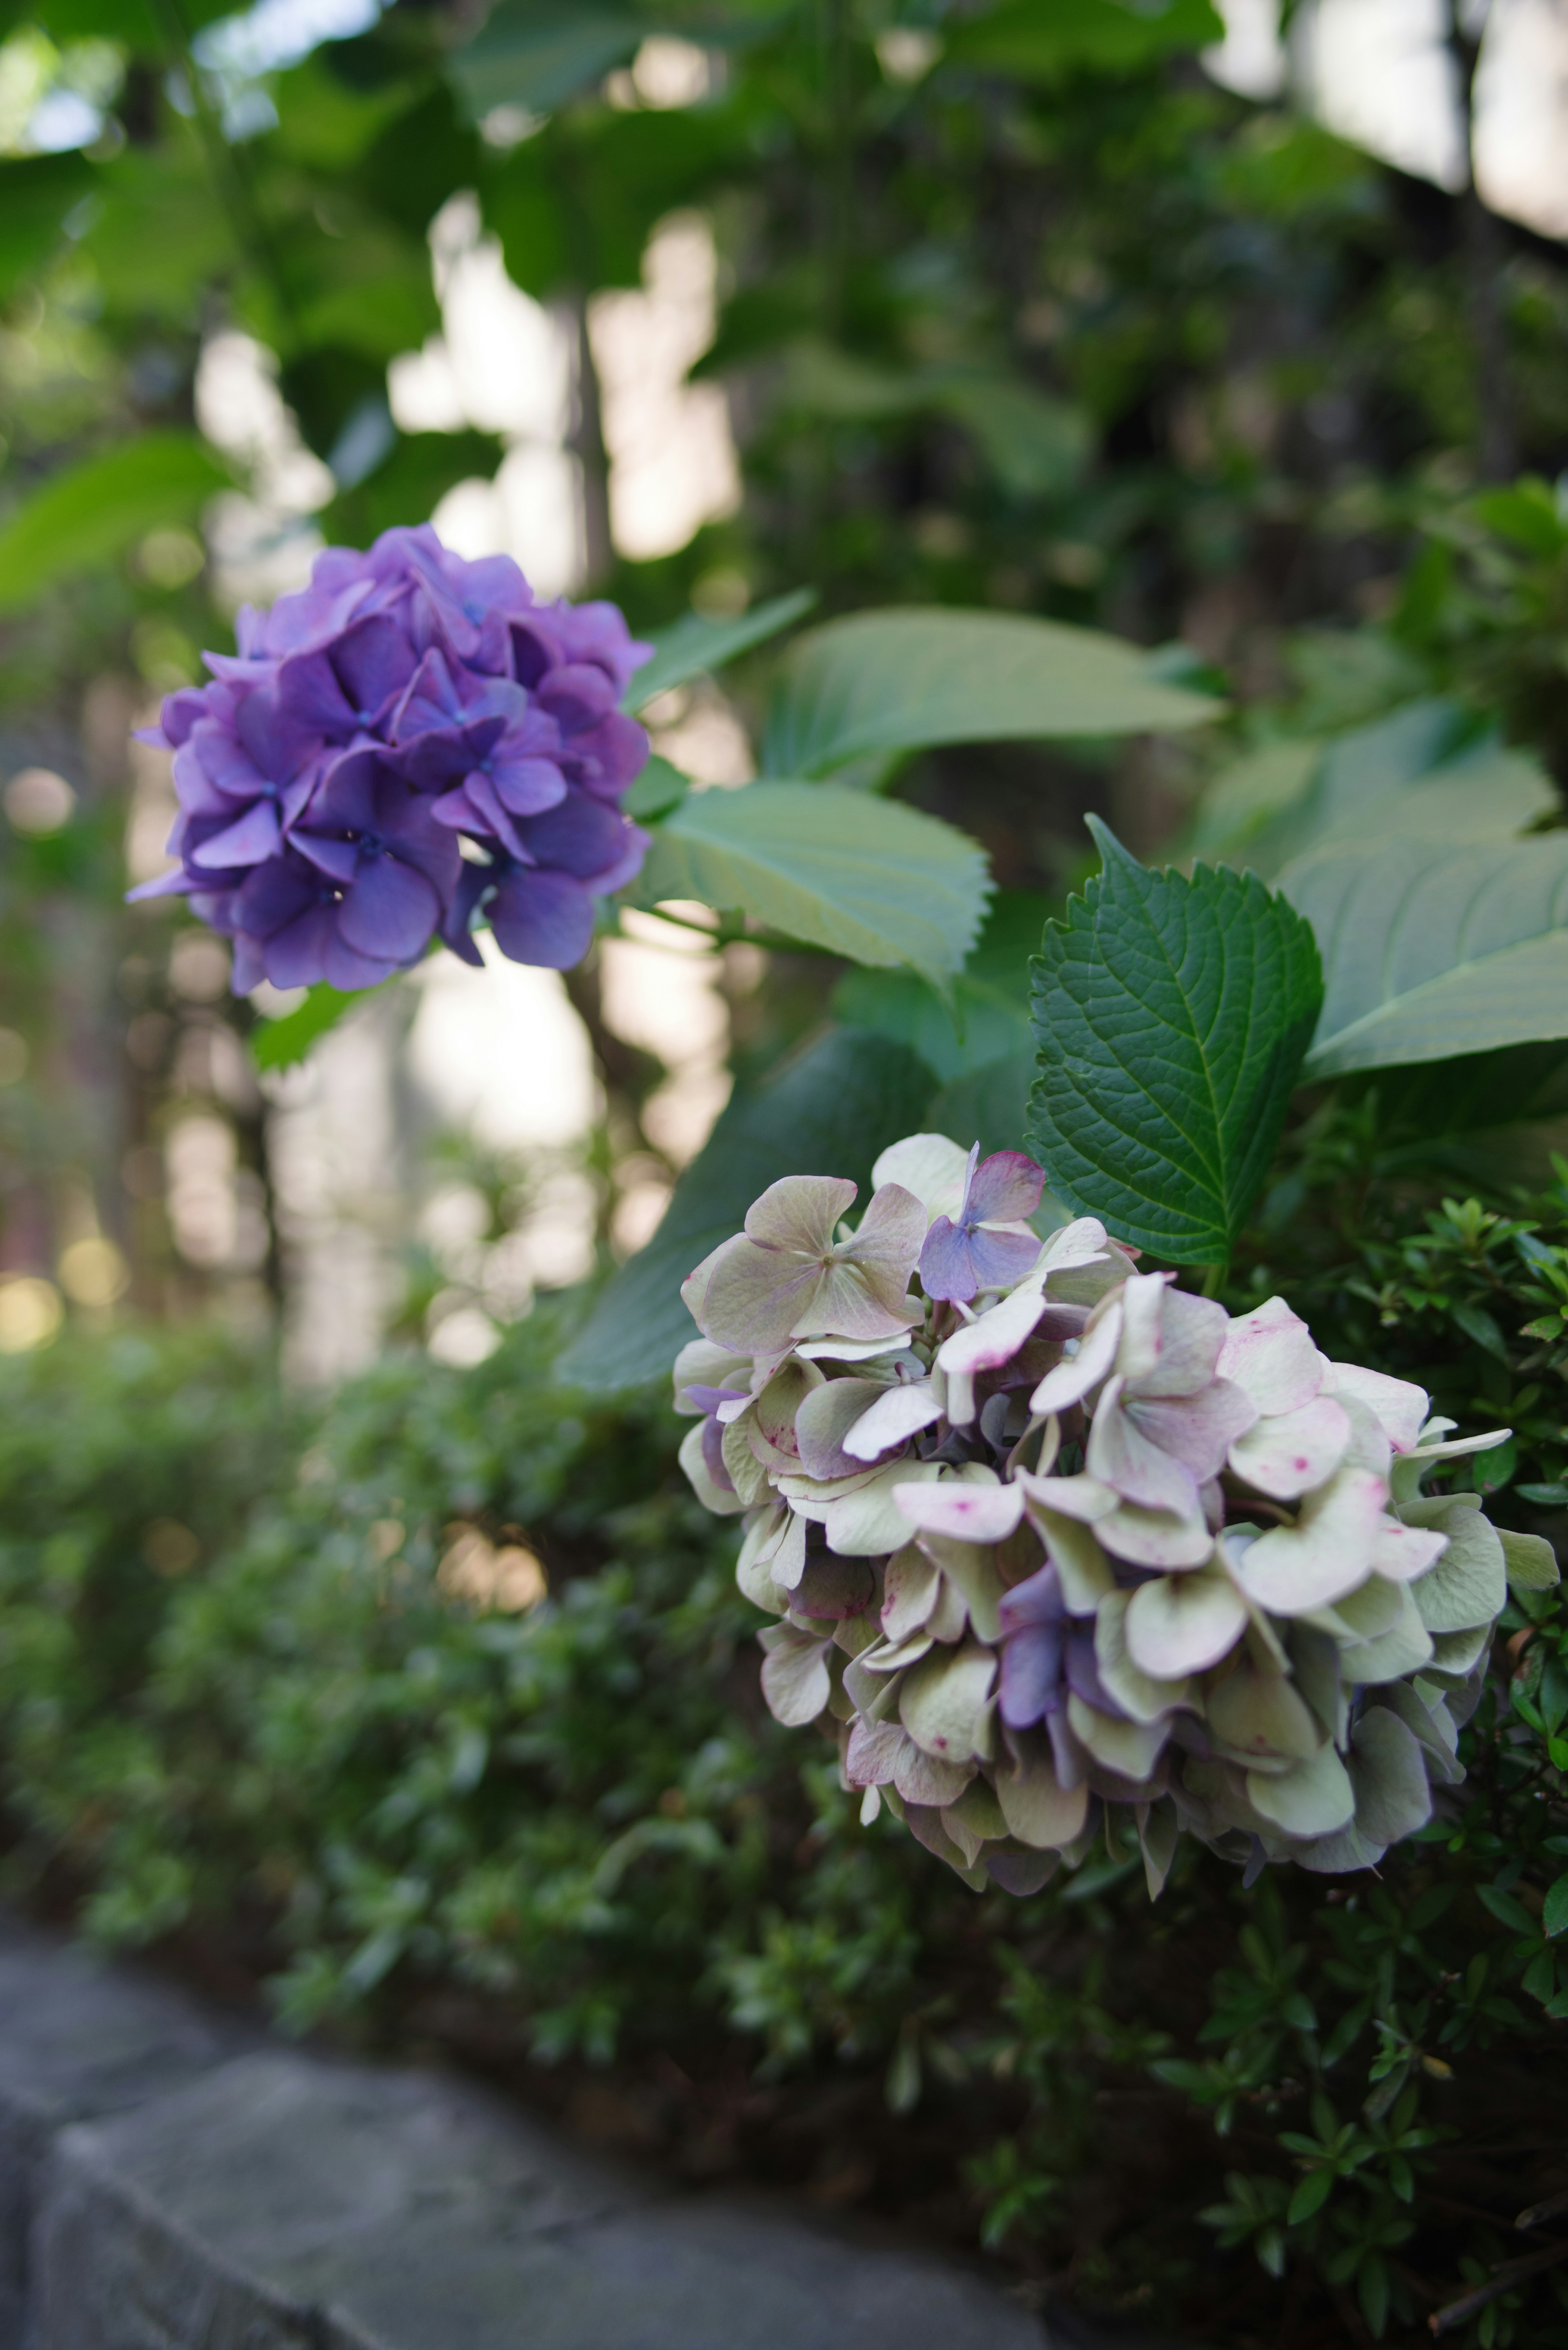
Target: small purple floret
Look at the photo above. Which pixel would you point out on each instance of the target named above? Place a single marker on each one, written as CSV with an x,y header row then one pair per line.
x,y
404,702
960,1257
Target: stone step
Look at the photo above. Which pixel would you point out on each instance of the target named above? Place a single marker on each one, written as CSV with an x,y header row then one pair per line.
x,y
173,2179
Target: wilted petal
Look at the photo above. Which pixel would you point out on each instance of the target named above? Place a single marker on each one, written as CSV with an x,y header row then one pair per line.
x,y
1405,1552
1191,1331
794,1675
943,1700
824,1419
1160,1538
1289,1452
873,1750
985,1345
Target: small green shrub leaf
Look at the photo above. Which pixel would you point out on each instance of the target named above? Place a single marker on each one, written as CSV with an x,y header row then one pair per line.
x,y
862,877
535,53
887,681
1170,1017
1554,1917
92,511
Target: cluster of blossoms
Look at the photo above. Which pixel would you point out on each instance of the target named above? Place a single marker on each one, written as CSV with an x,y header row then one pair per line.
x,y
1051,1534
407,741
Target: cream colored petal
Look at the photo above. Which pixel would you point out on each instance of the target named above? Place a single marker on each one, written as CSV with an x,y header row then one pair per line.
x,y
1400,1406
1293,1569
1287,1454
1145,1696
896,1415
965,1513
929,1165
943,1701
1182,1624
1270,1352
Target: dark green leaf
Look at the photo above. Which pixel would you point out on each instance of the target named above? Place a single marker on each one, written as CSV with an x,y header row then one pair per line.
x,y
408,484
658,789
694,645
987,1105
36,192
1171,1018
828,1113
535,53
94,510
1554,1917
1043,43
1508,1909
881,681
981,1025
279,1043
861,876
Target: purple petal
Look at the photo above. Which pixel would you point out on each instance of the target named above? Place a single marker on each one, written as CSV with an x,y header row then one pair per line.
x,y
1004,1189
339,860
1000,1259
1083,1673
580,837
713,1456
1031,1671
310,696
946,1268
527,785
473,880
542,917
255,834
168,885
374,663
605,759
276,893
342,967
391,911
296,956
1037,1601
578,694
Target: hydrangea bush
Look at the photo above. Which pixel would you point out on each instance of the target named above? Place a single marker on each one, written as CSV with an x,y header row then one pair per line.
x,y
407,743
1045,1534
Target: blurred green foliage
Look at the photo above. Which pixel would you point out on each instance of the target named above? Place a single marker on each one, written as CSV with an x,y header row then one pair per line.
x,y
262,1710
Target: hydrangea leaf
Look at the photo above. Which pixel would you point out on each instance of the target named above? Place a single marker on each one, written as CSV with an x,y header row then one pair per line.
x,y
1171,1016
831,1111
90,512
861,876
879,683
1432,950
279,1043
694,645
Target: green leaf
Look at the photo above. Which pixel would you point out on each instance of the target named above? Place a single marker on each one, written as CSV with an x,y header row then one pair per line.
x,y
36,194
1171,1018
1554,1915
658,788
535,53
279,1043
861,876
1431,951
978,1027
830,1112
1045,43
1310,2197
880,681
693,645
92,511
1508,1909
409,482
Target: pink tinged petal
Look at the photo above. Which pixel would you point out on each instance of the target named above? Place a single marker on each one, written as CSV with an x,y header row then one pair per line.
x,y
1001,1258
1160,1538
1120,1455
921,1778
1290,1452
891,1231
911,1587
1004,1189
1405,1552
800,1212
825,1417
985,1345
1269,1353
390,912
1081,1243
749,1297
1182,1624
1329,1550
1397,1404
897,1414
1074,1377
1192,1334
976,1514
873,1750
1198,1430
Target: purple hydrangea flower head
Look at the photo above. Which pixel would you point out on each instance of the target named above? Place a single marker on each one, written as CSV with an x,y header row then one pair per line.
x,y
969,1252
405,703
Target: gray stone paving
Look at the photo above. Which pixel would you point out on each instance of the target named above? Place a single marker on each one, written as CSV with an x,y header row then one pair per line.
x,y
172,2180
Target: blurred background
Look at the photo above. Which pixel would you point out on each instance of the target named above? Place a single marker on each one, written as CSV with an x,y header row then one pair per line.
x,y
1198,323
